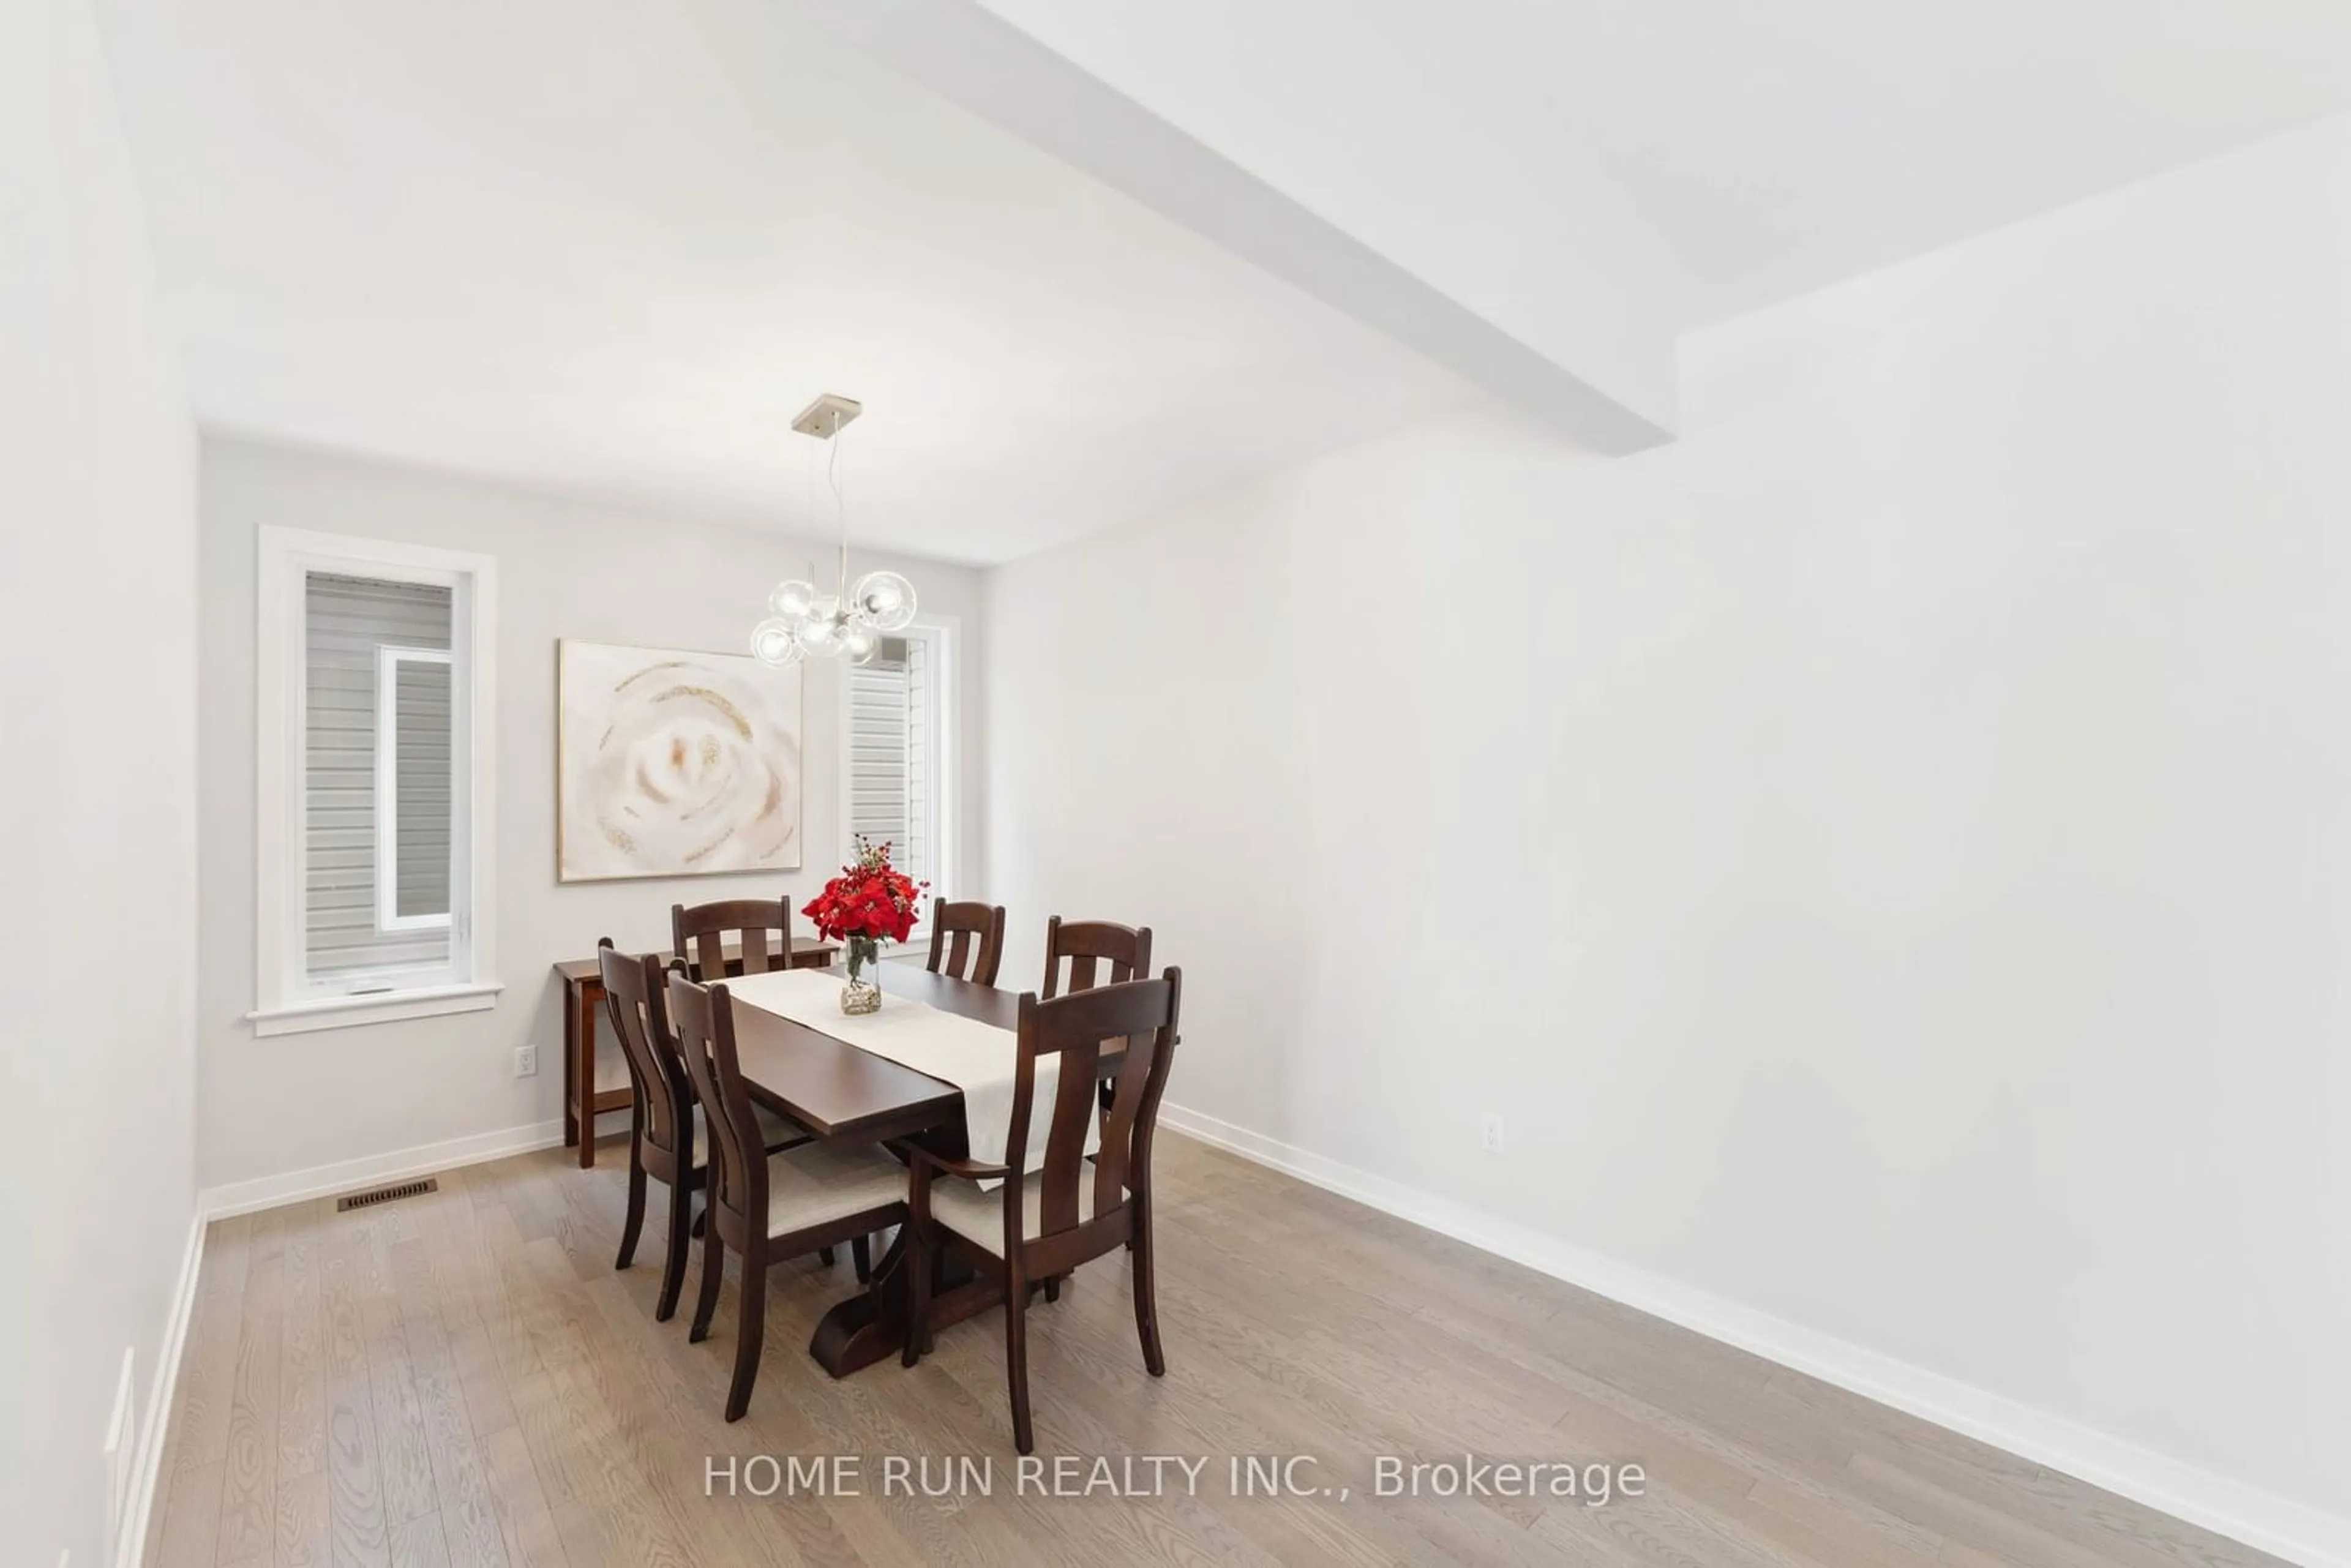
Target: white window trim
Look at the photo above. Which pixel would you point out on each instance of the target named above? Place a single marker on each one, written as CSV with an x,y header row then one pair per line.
x,y
946,633
283,1002
388,660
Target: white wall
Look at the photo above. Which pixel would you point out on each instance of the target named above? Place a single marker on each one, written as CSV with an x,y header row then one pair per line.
x,y
1885,855
98,734
566,568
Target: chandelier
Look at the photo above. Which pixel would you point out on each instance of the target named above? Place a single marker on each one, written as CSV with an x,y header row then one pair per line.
x,y
849,623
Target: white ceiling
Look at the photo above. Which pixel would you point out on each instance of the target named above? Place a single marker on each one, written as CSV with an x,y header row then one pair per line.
x,y
1594,177
1778,145
612,248
1787,146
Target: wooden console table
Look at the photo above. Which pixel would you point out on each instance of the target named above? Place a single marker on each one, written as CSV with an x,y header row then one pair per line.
x,y
583,1001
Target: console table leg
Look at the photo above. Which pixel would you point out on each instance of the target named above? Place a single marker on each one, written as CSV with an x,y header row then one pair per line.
x,y
581,1070
570,1085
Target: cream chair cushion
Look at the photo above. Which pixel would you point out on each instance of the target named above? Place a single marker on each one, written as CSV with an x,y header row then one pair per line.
x,y
817,1183
977,1216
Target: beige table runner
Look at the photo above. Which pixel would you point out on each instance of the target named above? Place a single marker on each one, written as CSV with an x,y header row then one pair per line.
x,y
978,1059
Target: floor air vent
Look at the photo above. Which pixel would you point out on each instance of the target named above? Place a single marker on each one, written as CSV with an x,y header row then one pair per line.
x,y
385,1195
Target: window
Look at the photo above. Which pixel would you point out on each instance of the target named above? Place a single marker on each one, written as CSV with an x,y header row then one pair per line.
x,y
412,794
374,750
898,769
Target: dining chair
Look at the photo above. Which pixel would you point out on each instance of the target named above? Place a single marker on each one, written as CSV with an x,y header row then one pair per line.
x,y
698,935
977,948
1123,950
1041,1223
1083,945
766,1206
668,1142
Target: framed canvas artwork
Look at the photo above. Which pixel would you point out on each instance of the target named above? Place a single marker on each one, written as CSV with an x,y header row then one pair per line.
x,y
675,764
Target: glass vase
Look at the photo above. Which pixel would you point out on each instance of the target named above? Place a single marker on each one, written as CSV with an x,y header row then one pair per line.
x,y
863,993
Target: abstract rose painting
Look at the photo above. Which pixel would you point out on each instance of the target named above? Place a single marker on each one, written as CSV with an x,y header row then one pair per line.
x,y
675,764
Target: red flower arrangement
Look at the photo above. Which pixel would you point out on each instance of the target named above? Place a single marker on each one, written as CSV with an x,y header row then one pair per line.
x,y
870,902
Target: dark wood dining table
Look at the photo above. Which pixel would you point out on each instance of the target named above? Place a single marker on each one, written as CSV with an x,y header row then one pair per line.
x,y
838,1092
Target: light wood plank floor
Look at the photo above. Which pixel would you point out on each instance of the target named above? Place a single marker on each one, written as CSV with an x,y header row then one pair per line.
x,y
462,1379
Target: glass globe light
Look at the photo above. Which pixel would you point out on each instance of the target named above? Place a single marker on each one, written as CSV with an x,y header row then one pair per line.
x,y
792,600
883,601
821,632
772,641
860,642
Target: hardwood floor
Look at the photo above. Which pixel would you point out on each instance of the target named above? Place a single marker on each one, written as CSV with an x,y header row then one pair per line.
x,y
462,1379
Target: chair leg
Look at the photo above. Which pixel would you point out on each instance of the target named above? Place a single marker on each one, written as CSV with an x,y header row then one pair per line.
x,y
1146,1306
681,1209
1016,1362
750,1333
861,1254
1053,1288
824,1255
934,1284
705,1303
918,1294
634,1225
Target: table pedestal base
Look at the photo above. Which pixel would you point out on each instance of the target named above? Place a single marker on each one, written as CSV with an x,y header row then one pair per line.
x,y
871,1327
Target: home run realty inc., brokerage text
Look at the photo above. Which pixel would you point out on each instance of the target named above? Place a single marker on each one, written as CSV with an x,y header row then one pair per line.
x,y
1594,1483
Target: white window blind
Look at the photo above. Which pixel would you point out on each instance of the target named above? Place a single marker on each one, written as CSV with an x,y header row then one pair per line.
x,y
892,756
366,644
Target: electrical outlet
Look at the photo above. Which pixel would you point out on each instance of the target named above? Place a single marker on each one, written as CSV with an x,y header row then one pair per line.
x,y
526,1061
1490,1133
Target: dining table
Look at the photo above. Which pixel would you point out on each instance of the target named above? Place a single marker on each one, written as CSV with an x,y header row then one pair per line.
x,y
841,1093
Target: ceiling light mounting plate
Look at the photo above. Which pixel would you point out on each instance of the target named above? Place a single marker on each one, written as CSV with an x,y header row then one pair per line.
x,y
825,416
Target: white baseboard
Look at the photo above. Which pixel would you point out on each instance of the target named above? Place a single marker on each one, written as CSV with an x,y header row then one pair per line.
x,y
146,1475
2258,1518
319,1181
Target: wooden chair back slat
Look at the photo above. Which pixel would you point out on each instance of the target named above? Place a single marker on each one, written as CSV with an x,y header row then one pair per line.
x,y
966,940
657,1077
764,925
1065,1138
704,1019
1127,1093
